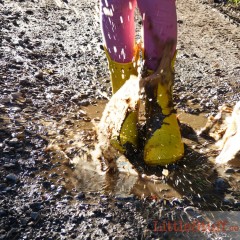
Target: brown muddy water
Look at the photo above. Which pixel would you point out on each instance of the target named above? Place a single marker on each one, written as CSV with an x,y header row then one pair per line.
x,y
73,138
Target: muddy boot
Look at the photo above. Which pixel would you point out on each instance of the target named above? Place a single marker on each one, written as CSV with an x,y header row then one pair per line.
x,y
119,74
163,138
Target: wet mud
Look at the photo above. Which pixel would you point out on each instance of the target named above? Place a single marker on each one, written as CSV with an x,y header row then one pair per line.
x,y
54,86
195,174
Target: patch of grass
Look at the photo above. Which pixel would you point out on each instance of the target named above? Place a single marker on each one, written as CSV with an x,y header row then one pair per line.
x,y
234,1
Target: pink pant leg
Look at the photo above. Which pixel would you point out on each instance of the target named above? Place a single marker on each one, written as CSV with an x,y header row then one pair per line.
x,y
159,25
118,28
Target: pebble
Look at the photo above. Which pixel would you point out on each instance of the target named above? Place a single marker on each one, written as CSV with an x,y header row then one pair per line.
x,y
11,177
52,187
221,185
25,83
119,204
36,206
68,197
84,102
53,175
237,205
125,197
80,196
3,213
60,190
9,190
29,12
228,201
14,142
46,184
230,170
34,216
39,75
9,165
108,216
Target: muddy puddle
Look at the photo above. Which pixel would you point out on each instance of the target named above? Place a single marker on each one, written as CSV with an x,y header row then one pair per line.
x,y
72,139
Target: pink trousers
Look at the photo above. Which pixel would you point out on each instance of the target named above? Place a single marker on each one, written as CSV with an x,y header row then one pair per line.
x,y
159,25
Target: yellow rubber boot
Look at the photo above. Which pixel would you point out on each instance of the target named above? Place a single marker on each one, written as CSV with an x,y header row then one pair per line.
x,y
119,74
163,141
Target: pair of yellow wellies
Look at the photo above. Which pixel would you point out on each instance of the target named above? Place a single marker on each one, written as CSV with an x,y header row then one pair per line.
x,y
163,143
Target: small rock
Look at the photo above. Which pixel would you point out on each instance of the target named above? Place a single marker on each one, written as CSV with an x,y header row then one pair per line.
x,y
11,177
34,216
237,204
60,190
57,91
36,206
108,216
39,75
8,189
9,165
53,175
228,201
97,213
3,213
29,12
68,197
80,196
165,172
84,102
46,184
14,142
125,197
221,185
87,119
119,204
230,170
25,83
77,219
137,204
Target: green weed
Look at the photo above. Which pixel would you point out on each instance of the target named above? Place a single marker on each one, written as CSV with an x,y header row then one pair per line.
x,y
234,1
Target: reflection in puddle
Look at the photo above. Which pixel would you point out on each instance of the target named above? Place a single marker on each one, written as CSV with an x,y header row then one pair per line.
x,y
72,139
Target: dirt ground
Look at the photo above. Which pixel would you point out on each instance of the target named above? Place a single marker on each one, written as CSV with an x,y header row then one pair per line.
x,y
54,83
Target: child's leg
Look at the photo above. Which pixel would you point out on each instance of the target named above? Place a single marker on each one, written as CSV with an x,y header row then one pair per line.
x,y
159,25
117,20
163,138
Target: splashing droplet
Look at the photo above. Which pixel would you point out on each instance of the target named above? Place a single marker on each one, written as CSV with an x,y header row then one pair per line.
x,y
121,19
